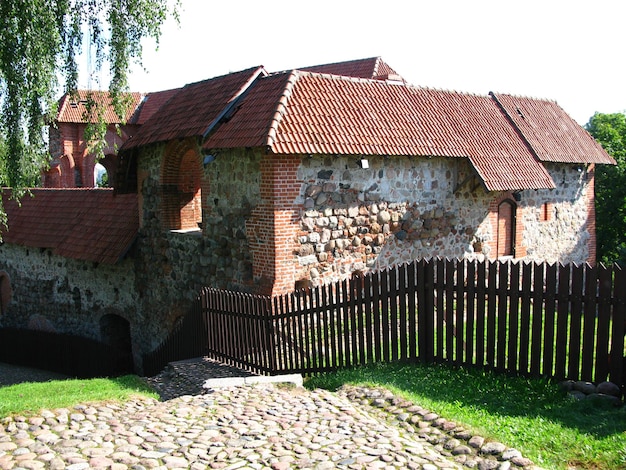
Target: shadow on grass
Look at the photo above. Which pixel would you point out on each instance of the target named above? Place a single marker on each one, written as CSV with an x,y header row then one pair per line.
x,y
493,393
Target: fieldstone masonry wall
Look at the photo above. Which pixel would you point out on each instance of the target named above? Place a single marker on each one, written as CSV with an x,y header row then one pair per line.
x,y
332,218
57,294
396,210
401,209
173,265
564,236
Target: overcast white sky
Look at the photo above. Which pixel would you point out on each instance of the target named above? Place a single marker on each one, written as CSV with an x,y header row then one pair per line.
x,y
571,51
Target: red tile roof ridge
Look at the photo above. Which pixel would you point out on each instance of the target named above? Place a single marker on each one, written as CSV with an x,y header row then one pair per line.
x,y
526,97
376,81
478,94
225,75
451,91
281,107
375,58
372,68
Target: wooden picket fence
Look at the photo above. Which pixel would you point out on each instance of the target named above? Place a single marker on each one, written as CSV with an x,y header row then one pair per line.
x,y
537,319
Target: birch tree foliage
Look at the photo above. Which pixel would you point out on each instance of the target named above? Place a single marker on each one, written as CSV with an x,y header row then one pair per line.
x,y
610,186
40,44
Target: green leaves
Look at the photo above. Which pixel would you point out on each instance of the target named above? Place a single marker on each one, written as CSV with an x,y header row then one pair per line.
x,y
39,43
610,131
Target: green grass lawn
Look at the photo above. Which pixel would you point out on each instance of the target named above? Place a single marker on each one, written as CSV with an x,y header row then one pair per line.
x,y
531,415
29,398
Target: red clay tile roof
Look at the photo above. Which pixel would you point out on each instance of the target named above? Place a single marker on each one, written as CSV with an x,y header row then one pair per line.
x,y
73,109
151,103
551,132
87,224
255,115
345,108
373,68
194,108
309,113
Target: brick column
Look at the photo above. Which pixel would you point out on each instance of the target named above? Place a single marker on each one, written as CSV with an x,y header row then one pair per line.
x,y
591,214
274,224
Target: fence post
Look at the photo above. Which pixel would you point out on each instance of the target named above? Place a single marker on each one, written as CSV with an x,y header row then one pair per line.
x,y
617,335
537,340
589,321
503,312
514,315
425,311
550,308
605,291
266,314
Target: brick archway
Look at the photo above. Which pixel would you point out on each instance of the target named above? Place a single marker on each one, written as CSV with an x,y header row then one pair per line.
x,y
181,194
505,238
507,225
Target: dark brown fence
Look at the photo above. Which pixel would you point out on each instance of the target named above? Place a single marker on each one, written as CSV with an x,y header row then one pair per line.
x,y
187,340
70,355
563,321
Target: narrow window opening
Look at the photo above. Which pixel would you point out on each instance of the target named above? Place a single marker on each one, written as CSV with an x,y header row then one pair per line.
x,y
546,212
506,229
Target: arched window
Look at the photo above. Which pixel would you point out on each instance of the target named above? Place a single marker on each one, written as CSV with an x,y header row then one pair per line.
x,y
103,171
181,188
100,176
506,228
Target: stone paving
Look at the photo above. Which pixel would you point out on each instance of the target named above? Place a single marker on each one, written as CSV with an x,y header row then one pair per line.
x,y
252,426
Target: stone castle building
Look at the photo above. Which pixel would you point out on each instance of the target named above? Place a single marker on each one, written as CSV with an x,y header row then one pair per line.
x,y
267,182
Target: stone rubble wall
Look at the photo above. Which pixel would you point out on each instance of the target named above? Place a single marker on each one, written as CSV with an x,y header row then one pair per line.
x,y
62,295
564,237
401,209
172,266
349,219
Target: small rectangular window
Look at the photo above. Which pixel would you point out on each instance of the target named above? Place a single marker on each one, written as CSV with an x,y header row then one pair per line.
x,y
546,211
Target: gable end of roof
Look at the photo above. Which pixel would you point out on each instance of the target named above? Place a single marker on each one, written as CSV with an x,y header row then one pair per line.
x,y
281,109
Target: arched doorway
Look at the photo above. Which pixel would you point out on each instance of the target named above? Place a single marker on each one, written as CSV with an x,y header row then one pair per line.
x,y
104,171
6,292
115,331
506,228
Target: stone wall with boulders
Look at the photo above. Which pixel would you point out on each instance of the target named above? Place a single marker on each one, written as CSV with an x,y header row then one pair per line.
x,y
564,236
400,209
63,295
345,218
583,390
173,265
356,219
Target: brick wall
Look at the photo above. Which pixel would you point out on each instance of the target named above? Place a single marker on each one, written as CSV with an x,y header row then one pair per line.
x,y
591,214
506,201
72,164
181,174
